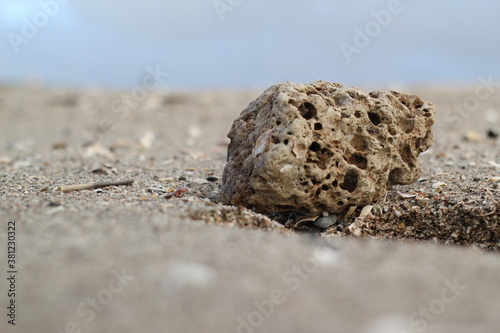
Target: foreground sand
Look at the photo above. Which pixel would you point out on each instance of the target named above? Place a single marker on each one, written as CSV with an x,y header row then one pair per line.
x,y
136,258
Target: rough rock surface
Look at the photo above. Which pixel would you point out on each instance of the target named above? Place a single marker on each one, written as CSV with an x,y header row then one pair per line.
x,y
322,147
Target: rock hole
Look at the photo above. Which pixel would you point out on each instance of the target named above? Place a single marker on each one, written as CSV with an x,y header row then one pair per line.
x,y
293,102
418,103
304,183
307,110
275,139
345,115
286,207
335,183
324,187
326,152
374,118
285,142
318,126
407,156
318,191
358,114
354,94
359,143
350,181
408,125
405,102
359,161
340,203
289,133
395,176
418,142
328,176
314,146
425,140
426,113
278,123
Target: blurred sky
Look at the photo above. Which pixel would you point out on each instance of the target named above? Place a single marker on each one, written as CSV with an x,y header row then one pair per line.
x,y
247,43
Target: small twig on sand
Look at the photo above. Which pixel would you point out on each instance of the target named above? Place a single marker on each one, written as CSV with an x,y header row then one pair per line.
x,y
90,186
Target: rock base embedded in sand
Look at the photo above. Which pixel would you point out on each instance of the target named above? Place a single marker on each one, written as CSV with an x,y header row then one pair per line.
x,y
321,147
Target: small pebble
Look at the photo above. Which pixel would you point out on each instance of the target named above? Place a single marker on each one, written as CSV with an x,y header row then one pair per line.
x,y
154,189
22,164
182,178
167,180
212,179
472,136
495,164
377,209
59,145
325,221
200,181
494,179
438,186
147,139
365,211
422,202
492,134
406,195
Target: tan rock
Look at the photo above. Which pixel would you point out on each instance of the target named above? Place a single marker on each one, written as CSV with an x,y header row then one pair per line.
x,y
321,147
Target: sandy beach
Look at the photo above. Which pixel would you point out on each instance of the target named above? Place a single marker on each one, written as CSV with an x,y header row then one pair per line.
x,y
164,254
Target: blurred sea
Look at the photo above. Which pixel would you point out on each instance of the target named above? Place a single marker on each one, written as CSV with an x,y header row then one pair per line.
x,y
243,43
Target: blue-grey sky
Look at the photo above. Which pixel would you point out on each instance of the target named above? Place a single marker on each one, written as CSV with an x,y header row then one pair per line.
x,y
248,43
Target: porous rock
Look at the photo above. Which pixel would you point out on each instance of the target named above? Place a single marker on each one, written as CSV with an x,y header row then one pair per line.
x,y
321,147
